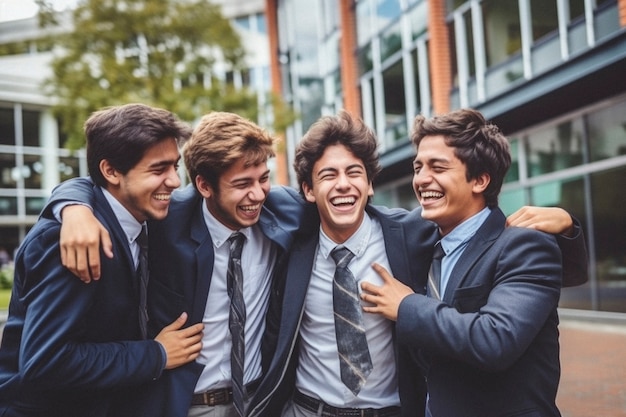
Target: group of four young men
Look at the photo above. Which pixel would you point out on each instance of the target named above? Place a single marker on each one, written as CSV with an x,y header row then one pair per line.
x,y
488,346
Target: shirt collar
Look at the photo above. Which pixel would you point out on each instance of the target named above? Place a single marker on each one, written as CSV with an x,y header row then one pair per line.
x,y
464,232
357,243
220,233
130,225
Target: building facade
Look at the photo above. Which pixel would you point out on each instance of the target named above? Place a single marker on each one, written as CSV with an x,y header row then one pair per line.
x,y
550,73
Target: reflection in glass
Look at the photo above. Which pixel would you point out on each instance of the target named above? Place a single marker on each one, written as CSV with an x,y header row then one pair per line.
x,y
7,170
7,127
609,223
395,105
34,205
8,206
555,147
32,171
502,30
607,130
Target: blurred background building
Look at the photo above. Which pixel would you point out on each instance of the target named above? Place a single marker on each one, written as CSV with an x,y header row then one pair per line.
x,y
550,73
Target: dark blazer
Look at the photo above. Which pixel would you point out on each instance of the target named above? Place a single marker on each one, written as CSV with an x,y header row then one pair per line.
x,y
491,346
71,349
408,242
181,266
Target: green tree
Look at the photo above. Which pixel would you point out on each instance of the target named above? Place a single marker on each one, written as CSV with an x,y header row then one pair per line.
x,y
158,52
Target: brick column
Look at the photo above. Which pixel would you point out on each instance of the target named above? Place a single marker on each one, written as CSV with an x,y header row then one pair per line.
x,y
622,12
271,6
439,56
348,59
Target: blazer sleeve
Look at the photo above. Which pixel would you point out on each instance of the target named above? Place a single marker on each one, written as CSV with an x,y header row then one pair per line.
x,y
53,352
575,258
520,279
75,190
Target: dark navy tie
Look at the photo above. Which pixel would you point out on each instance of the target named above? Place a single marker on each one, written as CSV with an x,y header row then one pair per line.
x,y
354,357
237,319
434,275
143,273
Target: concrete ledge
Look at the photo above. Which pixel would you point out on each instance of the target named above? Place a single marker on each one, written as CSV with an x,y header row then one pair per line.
x,y
596,317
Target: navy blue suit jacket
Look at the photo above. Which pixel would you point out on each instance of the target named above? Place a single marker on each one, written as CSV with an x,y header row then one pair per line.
x,y
71,349
491,346
409,240
181,263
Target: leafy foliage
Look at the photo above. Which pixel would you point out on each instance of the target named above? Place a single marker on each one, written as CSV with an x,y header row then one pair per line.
x,y
159,52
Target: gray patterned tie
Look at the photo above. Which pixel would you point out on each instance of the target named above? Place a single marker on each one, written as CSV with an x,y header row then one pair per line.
x,y
143,273
434,275
354,357
236,319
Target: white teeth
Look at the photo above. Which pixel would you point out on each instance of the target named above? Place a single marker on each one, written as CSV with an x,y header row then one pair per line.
x,y
162,197
343,200
250,208
431,194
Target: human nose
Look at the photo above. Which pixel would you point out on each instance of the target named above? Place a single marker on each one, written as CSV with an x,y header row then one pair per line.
x,y
257,192
342,181
172,180
421,177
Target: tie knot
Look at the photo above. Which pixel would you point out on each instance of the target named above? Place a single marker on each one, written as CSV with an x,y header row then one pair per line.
x,y
342,256
142,238
236,244
438,253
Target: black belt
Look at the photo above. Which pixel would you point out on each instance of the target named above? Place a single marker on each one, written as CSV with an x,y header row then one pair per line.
x,y
220,396
313,405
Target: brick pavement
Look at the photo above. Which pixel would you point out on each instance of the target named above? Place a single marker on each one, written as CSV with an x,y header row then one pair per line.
x,y
593,375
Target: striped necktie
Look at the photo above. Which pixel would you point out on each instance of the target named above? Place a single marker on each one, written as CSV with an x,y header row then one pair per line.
x,y
434,275
143,274
237,319
355,363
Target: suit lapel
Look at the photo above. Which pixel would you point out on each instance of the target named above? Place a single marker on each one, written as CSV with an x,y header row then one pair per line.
x,y
299,275
483,239
393,232
202,246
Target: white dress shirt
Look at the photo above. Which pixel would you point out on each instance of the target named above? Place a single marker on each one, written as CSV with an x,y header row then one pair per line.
x,y
318,374
130,225
257,261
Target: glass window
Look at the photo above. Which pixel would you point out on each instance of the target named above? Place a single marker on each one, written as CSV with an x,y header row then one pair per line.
x,y
365,59
555,147
390,41
576,9
502,30
544,17
512,174
510,201
363,25
570,195
34,205
7,127
419,20
261,25
609,223
8,206
607,132
386,12
68,167
416,81
7,170
395,104
32,171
